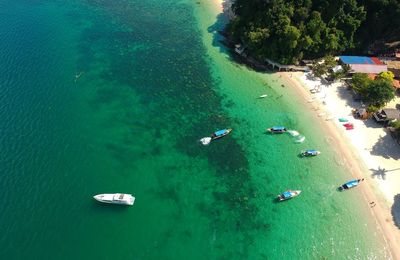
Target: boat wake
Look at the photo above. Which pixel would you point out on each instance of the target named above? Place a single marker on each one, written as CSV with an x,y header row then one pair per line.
x,y
205,140
293,133
300,139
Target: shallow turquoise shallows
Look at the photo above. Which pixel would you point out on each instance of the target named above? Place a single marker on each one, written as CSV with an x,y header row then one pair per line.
x,y
113,96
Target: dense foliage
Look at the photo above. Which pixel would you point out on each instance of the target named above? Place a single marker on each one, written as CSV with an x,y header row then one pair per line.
x,y
360,82
290,30
378,92
326,65
322,67
396,126
387,75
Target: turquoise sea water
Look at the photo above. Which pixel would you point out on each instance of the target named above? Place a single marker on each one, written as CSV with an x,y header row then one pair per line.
x,y
112,96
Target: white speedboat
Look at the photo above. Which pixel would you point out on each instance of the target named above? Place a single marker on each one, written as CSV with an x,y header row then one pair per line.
x,y
116,198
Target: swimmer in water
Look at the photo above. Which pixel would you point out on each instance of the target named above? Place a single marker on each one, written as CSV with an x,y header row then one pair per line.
x,y
77,76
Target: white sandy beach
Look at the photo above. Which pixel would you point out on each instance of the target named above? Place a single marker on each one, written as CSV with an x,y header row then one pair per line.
x,y
368,151
373,143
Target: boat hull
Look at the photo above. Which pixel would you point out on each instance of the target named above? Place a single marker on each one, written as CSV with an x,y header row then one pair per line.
x,y
214,137
293,193
310,153
276,131
349,185
115,198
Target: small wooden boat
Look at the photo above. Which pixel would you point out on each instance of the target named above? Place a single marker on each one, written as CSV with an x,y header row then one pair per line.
x,y
310,153
220,133
277,129
350,184
289,194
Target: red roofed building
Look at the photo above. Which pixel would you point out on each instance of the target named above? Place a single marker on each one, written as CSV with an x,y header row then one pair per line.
x,y
376,61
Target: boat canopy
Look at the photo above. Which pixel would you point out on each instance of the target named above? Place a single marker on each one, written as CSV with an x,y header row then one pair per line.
x,y
287,194
352,183
278,128
220,132
118,196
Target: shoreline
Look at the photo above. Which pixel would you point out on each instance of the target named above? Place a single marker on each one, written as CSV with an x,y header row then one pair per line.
x,y
354,160
381,212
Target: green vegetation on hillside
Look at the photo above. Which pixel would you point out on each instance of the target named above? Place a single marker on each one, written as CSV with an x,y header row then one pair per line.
x,y
290,30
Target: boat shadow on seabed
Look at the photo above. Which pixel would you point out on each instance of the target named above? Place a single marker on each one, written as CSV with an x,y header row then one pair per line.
x,y
105,208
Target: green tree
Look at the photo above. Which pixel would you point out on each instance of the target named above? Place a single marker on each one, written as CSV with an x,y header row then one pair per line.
x,y
396,126
319,68
346,69
323,66
382,22
288,30
330,61
379,92
360,83
386,75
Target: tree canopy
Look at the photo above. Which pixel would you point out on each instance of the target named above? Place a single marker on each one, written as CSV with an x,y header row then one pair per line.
x,y
386,75
378,92
290,30
323,66
360,83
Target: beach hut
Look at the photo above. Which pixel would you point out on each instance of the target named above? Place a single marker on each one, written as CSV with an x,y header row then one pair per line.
x,y
386,115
